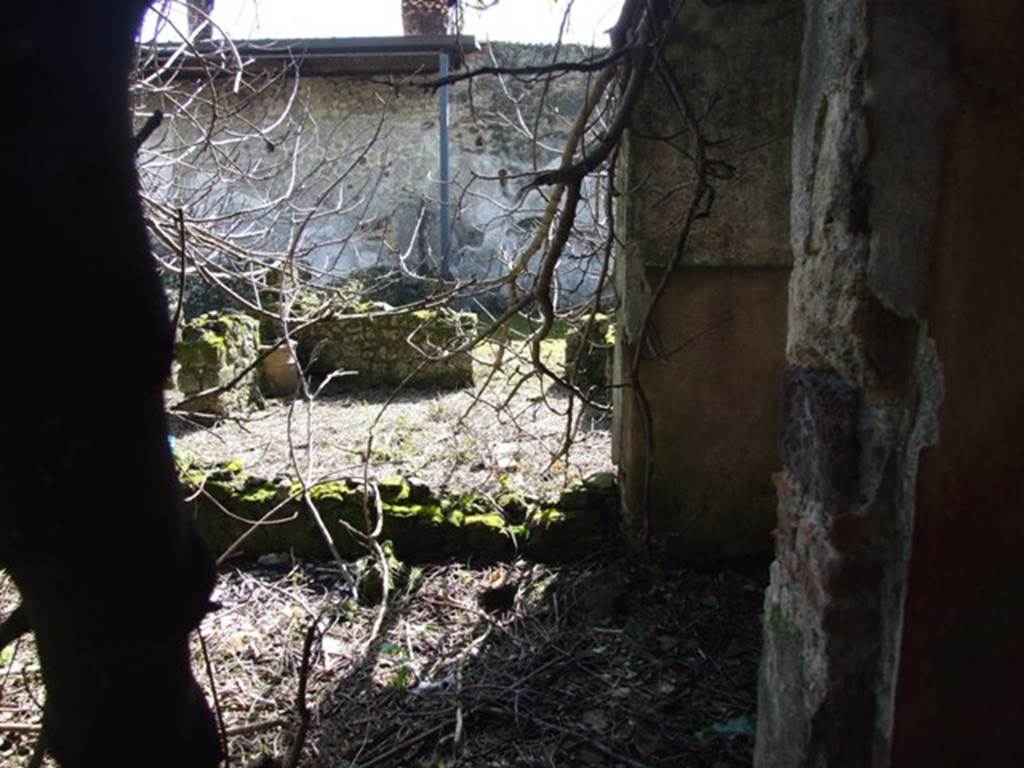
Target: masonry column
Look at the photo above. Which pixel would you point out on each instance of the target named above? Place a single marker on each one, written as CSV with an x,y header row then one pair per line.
x,y
697,432
903,395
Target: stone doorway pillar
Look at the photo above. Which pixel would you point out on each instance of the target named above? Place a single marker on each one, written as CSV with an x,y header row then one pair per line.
x,y
697,479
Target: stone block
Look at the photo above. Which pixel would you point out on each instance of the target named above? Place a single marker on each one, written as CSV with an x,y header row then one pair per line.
x,y
215,349
256,516
391,350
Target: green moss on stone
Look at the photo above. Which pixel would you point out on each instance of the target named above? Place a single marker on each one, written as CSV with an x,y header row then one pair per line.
x,y
602,482
584,522
427,529
515,505
393,489
487,537
492,521
337,491
214,349
248,499
421,532
260,494
427,513
546,518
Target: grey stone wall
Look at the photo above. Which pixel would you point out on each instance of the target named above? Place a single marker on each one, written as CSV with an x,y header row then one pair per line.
x,y
368,155
391,350
493,155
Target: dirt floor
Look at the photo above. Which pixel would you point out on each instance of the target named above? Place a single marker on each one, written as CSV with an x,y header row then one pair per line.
x,y
604,664
509,433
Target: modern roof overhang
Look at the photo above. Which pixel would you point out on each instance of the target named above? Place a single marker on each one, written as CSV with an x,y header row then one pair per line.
x,y
323,57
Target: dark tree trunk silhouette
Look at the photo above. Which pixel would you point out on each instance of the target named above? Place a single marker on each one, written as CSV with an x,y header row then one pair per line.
x,y
112,575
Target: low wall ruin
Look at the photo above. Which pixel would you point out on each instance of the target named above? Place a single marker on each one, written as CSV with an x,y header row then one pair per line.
x,y
391,350
383,350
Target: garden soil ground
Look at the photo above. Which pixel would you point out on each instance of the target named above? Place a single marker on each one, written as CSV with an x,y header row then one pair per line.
x,y
510,434
599,664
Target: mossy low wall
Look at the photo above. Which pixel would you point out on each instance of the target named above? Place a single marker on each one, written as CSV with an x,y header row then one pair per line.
x,y
389,350
214,349
422,527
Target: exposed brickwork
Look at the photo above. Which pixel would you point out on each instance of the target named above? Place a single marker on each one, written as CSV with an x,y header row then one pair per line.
x,y
820,441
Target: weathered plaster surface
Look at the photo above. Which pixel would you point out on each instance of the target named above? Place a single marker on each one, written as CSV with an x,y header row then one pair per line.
x,y
385,143
711,366
716,416
736,63
863,381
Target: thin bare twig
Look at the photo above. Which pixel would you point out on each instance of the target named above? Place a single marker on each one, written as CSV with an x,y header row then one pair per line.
x,y
301,708
216,698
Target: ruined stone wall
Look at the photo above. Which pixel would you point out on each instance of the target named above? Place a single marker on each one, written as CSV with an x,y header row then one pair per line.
x,y
905,241
370,150
861,391
213,351
422,524
391,350
368,351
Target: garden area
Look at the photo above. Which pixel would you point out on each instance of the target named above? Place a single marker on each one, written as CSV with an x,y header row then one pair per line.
x,y
492,619
391,420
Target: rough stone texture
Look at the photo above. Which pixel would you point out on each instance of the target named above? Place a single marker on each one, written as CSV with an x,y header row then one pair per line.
x,y
420,525
711,369
820,439
214,349
902,411
392,349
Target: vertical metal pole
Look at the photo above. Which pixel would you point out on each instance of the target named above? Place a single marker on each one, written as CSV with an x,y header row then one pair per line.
x,y
444,173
